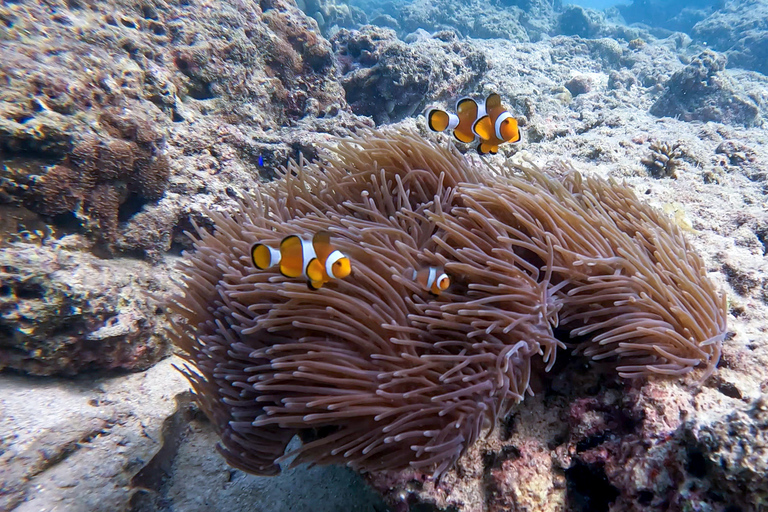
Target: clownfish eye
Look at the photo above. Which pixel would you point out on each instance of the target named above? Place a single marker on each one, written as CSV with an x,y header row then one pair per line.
x,y
341,268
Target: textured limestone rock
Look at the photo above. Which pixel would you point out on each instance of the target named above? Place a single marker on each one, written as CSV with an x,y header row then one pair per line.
x,y
77,445
388,79
134,443
579,21
702,91
65,312
517,22
740,30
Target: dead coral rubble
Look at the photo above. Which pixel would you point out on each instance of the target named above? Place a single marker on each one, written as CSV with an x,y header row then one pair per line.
x,y
374,373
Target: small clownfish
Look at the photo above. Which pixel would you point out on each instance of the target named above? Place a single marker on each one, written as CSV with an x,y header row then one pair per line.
x,y
432,279
491,124
317,260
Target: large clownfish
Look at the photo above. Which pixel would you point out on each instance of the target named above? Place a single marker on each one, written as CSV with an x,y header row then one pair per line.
x,y
432,279
491,124
317,260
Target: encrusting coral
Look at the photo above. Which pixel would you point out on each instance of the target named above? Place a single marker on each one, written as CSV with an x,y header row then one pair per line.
x,y
101,172
375,373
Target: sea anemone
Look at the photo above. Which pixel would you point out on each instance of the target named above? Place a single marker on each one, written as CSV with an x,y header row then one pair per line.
x,y
373,372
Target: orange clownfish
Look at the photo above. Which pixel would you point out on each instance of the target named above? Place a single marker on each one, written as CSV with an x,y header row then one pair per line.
x,y
491,124
432,279
317,260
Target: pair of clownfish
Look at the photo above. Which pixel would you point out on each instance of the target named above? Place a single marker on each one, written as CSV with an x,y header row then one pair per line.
x,y
319,261
491,123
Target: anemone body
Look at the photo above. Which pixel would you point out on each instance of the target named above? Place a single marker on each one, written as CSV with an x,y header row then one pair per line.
x,y
374,372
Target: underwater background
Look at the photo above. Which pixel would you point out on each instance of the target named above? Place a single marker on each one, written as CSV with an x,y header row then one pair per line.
x,y
126,125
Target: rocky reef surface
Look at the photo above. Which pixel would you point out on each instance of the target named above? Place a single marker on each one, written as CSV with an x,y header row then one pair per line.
x,y
121,124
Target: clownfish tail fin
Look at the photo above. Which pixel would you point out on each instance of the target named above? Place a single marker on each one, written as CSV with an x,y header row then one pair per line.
x,y
437,120
264,256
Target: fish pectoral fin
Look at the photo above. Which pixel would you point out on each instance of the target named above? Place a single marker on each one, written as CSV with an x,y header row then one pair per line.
x,y
315,285
315,271
484,128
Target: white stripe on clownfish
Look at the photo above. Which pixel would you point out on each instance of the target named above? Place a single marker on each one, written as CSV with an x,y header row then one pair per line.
x,y
499,120
432,279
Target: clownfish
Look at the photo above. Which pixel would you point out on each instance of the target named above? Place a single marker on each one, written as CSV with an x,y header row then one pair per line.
x,y
491,124
317,260
432,279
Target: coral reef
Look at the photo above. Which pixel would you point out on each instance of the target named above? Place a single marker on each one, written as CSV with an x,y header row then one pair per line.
x,y
65,313
223,91
664,159
230,116
677,15
740,30
388,79
104,172
372,373
736,152
699,466
579,21
701,91
478,19
333,14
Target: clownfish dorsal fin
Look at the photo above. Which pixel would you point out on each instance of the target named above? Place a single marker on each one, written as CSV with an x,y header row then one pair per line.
x,y
483,128
492,102
292,256
322,244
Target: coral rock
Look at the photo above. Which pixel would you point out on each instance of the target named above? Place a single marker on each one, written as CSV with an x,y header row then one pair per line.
x,y
702,91
65,314
388,79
